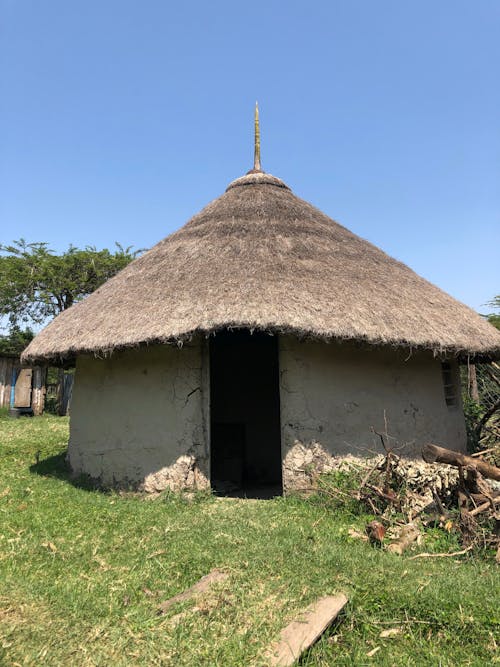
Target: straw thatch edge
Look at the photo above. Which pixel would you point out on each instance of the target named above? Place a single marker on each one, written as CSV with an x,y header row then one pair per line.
x,y
463,355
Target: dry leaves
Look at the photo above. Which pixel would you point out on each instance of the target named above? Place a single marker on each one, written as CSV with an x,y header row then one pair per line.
x,y
390,632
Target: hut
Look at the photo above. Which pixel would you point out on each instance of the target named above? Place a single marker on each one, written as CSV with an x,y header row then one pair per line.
x,y
259,342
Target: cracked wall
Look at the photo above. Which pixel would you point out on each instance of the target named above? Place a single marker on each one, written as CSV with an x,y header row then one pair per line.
x,y
139,418
333,394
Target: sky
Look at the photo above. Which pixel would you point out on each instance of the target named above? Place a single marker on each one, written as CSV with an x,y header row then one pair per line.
x,y
120,119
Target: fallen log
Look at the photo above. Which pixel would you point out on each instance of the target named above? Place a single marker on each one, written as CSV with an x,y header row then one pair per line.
x,y
197,589
303,632
434,454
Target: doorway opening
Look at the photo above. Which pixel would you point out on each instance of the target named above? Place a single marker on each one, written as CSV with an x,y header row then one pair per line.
x,y
245,442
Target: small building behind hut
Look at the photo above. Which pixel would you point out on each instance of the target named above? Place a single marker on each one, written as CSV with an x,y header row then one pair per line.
x,y
255,345
22,389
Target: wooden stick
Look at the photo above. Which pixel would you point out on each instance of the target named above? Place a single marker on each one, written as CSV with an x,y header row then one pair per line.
x,y
434,454
489,504
492,375
197,589
368,475
445,555
366,499
483,451
437,501
389,496
303,632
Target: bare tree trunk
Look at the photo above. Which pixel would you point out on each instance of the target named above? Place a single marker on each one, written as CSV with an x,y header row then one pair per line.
x,y
473,390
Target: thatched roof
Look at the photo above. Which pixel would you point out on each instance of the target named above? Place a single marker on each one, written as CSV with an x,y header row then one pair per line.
x,y
260,257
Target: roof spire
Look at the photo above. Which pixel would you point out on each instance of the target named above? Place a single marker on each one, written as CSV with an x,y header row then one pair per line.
x,y
256,155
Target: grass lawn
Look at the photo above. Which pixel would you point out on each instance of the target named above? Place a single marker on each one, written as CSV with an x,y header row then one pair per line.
x,y
82,572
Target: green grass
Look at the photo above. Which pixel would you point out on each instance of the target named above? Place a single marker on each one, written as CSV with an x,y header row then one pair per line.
x,y
81,574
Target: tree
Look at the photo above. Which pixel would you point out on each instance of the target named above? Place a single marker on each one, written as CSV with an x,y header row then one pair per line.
x,y
494,318
37,284
14,343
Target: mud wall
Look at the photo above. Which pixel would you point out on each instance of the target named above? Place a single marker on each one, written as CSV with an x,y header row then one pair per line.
x,y
333,394
140,417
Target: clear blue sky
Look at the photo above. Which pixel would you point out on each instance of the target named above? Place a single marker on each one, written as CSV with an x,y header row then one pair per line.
x,y
120,119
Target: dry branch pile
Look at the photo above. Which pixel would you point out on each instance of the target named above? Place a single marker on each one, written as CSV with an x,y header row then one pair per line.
x,y
448,490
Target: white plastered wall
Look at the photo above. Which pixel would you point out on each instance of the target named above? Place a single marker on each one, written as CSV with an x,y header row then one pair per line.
x,y
333,394
140,417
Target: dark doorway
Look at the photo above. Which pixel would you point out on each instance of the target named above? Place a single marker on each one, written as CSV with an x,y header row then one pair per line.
x,y
245,442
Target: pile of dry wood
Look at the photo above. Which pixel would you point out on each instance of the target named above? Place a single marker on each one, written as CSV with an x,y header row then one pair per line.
x,y
448,489
478,496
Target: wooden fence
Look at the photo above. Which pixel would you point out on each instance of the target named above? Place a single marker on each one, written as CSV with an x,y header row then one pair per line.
x,y
7,366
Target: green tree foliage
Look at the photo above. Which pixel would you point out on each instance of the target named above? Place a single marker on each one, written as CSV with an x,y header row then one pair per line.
x,y
14,343
494,318
36,284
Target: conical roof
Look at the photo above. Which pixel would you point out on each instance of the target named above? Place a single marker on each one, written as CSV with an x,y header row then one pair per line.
x,y
260,257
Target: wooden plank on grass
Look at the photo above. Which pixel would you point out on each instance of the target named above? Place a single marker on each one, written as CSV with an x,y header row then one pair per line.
x,y
201,586
300,634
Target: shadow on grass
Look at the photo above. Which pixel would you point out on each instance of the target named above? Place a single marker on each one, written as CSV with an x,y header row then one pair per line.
x,y
57,467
